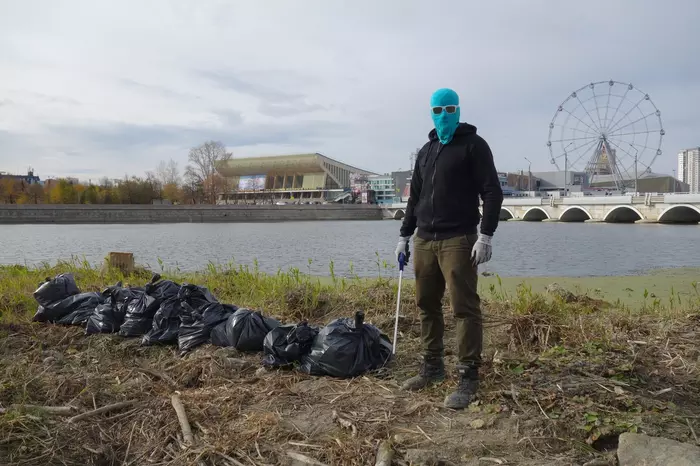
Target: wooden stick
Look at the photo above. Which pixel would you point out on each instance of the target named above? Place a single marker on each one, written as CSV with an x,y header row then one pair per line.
x,y
692,431
164,377
102,410
384,454
57,410
233,461
182,417
304,459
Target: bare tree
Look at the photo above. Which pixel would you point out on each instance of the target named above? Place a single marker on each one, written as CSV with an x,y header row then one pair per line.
x,y
155,185
202,168
168,172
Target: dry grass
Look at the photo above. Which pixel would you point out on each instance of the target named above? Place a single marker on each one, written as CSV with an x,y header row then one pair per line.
x,y
562,378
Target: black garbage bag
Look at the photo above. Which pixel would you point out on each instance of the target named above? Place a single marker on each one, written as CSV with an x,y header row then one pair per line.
x,y
104,319
197,297
109,316
245,330
56,289
73,310
286,344
80,307
162,289
166,323
347,348
141,309
195,326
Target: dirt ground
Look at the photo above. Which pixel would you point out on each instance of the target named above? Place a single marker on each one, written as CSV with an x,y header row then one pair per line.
x,y
550,395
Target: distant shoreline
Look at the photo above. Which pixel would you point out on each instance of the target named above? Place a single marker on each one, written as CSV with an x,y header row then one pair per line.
x,y
13,214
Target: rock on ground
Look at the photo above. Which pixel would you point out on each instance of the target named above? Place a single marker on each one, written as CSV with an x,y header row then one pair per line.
x,y
642,450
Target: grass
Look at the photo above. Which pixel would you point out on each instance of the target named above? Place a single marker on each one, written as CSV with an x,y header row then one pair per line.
x,y
566,370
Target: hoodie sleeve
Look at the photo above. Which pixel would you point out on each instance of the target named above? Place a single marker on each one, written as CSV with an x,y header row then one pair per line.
x,y
408,226
489,187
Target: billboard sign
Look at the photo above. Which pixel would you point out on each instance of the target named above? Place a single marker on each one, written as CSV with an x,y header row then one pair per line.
x,y
358,181
251,183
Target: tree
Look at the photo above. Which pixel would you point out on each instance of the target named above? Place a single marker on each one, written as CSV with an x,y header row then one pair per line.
x,y
168,172
62,192
172,192
155,186
10,190
90,196
35,194
201,172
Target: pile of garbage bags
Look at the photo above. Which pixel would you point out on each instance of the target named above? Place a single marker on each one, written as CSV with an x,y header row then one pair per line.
x,y
163,312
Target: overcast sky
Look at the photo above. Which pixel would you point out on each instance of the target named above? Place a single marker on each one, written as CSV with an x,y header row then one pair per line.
x,y
94,88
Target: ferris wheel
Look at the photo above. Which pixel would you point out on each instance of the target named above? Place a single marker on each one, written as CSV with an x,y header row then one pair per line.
x,y
608,129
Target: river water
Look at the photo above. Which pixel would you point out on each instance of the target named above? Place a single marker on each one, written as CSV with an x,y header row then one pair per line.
x,y
356,247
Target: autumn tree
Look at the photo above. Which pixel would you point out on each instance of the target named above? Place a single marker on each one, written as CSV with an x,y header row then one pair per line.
x,y
201,171
35,194
91,195
62,192
168,174
10,190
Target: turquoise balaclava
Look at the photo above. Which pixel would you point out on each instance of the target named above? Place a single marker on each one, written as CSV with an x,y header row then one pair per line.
x,y
445,123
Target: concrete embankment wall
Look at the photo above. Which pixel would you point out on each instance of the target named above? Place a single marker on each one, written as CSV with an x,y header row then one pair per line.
x,y
72,214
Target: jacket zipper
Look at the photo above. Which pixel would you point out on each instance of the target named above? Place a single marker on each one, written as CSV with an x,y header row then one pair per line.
x,y
432,192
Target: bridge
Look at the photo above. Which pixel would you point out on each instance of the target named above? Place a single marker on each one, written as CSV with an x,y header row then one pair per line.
x,y
647,208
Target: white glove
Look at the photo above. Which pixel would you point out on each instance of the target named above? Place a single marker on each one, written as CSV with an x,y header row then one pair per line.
x,y
402,247
481,252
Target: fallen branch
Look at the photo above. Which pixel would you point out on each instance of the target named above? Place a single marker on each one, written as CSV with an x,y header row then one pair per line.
x,y
164,377
57,410
384,454
102,410
233,461
182,417
426,435
304,459
692,431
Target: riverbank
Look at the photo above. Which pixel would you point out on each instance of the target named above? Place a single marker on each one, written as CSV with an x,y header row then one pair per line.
x,y
564,374
134,213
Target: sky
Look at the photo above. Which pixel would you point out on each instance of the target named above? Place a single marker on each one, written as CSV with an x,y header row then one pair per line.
x,y
92,89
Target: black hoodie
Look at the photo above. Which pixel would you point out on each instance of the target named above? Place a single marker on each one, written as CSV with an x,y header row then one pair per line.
x,y
446,184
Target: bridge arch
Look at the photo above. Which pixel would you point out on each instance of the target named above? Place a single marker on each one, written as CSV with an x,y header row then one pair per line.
x,y
680,213
506,214
535,214
623,214
575,213
399,214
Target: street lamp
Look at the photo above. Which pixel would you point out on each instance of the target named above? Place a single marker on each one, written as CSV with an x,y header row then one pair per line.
x,y
636,155
674,181
566,168
529,175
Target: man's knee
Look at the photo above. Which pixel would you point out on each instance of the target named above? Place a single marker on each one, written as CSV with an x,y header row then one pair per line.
x,y
430,300
465,302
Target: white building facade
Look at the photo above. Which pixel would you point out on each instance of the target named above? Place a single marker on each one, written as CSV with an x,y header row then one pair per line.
x,y
689,168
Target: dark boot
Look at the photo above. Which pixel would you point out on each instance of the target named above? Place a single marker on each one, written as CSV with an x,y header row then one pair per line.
x,y
432,371
466,388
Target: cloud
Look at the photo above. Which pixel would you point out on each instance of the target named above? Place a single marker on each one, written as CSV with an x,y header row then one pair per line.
x,y
273,101
116,88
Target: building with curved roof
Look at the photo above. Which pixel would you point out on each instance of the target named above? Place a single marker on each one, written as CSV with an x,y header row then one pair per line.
x,y
299,177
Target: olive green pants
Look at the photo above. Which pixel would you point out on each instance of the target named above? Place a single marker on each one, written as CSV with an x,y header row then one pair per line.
x,y
448,262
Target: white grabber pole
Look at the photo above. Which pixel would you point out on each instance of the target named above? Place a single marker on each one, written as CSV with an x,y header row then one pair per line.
x,y
402,262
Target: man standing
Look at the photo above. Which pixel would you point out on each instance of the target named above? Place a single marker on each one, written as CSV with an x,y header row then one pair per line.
x,y
452,171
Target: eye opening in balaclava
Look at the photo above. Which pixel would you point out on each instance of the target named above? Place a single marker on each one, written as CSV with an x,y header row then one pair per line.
x,y
445,122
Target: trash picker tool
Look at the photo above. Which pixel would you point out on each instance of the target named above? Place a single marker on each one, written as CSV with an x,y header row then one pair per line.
x,y
403,260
